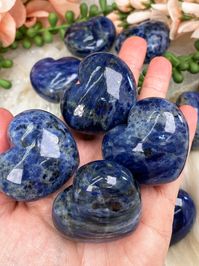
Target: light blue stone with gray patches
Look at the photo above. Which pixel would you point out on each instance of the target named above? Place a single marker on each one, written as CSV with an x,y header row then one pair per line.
x,y
43,156
104,97
103,204
154,145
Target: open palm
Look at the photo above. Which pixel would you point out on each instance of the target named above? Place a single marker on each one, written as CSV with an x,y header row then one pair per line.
x,y
27,234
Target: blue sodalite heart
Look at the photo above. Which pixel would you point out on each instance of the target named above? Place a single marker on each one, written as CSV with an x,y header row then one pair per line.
x,y
104,97
42,158
156,34
184,216
94,35
50,78
191,98
104,203
154,145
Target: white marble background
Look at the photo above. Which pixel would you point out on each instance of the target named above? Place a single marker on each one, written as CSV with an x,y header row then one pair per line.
x,y
22,97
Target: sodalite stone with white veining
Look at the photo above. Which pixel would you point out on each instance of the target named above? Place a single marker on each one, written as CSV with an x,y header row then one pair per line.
x,y
154,145
43,156
156,33
184,216
103,204
191,98
94,35
50,78
104,97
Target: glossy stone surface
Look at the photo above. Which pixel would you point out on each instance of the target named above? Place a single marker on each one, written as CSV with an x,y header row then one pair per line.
x,y
42,158
184,216
104,97
104,203
50,78
156,34
191,98
154,145
94,35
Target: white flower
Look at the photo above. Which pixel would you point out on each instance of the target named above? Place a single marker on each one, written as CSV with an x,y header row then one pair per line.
x,y
123,5
160,7
138,16
188,26
175,15
139,4
190,8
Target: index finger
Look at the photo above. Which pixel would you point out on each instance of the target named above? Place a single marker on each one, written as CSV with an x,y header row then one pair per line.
x,y
133,53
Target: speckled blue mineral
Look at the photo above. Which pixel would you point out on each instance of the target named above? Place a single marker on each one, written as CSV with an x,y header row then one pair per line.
x,y
156,34
191,98
104,97
94,35
43,156
104,203
154,145
50,78
184,216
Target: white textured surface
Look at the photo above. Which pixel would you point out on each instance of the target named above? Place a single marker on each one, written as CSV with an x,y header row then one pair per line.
x,y
22,97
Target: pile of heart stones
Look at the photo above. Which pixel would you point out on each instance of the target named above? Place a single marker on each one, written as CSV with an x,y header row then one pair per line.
x,y
145,141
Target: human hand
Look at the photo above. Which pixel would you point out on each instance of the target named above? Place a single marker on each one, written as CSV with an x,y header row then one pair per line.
x,y
27,234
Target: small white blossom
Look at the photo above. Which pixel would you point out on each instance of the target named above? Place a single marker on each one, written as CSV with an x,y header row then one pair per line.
x,y
188,26
190,8
138,16
139,4
123,5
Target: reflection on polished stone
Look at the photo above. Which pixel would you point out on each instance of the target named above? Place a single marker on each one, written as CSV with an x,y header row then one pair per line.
x,y
50,78
154,145
42,158
94,35
184,216
104,97
156,34
103,204
191,98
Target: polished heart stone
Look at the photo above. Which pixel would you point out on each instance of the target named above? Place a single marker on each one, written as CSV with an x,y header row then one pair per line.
x,y
154,145
43,156
104,203
104,97
94,35
156,34
50,78
191,98
184,216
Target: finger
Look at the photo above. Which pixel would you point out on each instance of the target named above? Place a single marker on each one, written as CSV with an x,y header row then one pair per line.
x,y
191,117
157,79
133,52
5,119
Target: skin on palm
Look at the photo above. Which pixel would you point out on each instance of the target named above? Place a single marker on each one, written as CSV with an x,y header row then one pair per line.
x,y
27,234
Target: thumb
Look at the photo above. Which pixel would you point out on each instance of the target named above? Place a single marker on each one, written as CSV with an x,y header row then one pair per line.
x,y
5,118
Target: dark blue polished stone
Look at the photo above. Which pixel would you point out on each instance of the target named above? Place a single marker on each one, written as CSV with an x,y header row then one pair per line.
x,y
42,158
94,35
154,145
184,216
156,34
104,97
191,98
104,203
50,78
